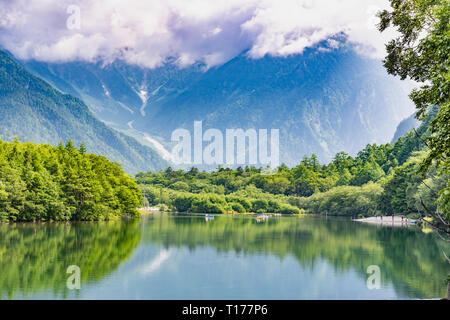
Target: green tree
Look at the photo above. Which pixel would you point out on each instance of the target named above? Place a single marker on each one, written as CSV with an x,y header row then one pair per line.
x,y
369,171
83,148
41,182
421,52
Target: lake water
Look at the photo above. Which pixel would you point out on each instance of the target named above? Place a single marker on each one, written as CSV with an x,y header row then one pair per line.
x,y
230,257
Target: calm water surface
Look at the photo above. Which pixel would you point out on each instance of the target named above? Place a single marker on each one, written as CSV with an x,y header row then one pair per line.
x,y
186,257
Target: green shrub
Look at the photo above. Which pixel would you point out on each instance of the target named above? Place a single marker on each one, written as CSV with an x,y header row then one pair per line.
x,y
260,205
183,203
288,209
180,185
346,201
237,207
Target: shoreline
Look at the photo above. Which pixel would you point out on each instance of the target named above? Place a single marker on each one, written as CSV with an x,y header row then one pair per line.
x,y
396,221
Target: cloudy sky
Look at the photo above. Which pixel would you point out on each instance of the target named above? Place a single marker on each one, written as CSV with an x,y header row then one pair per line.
x,y
148,32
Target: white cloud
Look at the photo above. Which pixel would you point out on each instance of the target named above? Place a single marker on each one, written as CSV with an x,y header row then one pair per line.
x,y
148,32
156,263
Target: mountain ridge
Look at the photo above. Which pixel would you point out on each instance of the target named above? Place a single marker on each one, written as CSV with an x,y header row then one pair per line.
x,y
323,101
33,110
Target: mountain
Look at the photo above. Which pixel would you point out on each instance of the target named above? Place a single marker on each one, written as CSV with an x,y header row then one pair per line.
x,y
323,101
32,110
404,126
117,92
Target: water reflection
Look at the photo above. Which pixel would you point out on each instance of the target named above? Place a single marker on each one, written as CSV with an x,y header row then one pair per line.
x,y
185,257
35,257
409,259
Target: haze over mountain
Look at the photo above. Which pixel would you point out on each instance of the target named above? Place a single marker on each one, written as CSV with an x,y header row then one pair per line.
x,y
327,99
405,125
32,110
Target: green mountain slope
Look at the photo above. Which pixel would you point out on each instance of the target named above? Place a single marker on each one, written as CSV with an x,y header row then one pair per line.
x,y
323,101
32,110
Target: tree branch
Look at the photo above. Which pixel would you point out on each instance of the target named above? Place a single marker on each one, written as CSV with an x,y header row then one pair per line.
x,y
443,226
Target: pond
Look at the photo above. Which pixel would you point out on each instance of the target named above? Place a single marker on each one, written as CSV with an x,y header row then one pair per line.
x,y
167,256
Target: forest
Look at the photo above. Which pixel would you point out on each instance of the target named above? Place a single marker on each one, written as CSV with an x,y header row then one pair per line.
x,y
46,183
379,180
409,176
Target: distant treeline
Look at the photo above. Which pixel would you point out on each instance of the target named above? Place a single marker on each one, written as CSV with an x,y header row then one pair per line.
x,y
42,182
381,179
